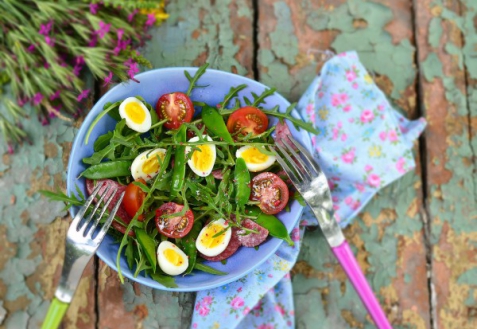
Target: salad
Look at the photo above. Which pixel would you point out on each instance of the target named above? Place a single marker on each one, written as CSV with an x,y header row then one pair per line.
x,y
200,180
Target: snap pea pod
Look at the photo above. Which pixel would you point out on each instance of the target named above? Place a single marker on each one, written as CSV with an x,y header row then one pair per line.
x,y
274,226
242,182
148,246
109,169
208,269
178,174
188,245
215,123
165,280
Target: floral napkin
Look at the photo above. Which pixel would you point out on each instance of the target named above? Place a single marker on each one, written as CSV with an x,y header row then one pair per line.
x,y
363,145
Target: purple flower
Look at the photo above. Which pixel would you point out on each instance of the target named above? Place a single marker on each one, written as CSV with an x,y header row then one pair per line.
x,y
31,48
93,8
23,101
107,80
83,95
45,28
55,95
121,45
77,69
131,15
93,41
37,99
103,29
10,148
151,19
79,60
120,33
133,69
49,41
129,62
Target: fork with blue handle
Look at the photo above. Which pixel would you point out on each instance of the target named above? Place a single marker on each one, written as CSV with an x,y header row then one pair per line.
x,y
310,181
81,244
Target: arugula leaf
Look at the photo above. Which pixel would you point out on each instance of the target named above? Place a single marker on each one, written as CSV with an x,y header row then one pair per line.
x,y
193,80
261,99
102,141
208,269
165,280
142,186
231,94
308,126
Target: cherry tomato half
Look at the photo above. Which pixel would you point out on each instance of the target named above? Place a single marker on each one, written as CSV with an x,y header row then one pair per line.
x,y
133,199
176,108
247,120
271,191
173,227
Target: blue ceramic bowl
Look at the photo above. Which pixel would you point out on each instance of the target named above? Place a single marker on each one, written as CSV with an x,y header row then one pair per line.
x,y
152,85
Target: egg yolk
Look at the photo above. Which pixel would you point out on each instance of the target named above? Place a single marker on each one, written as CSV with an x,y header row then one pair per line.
x,y
207,239
151,165
135,112
202,160
253,155
173,257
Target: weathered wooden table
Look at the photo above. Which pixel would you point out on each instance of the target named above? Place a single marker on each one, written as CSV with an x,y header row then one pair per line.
x,y
416,240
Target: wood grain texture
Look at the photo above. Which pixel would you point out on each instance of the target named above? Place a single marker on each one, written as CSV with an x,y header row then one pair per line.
x,y
450,158
388,237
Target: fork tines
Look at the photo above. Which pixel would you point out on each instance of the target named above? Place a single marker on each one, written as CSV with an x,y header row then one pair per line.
x,y
300,169
83,227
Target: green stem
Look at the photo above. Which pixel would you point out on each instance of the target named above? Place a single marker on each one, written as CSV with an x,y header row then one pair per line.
x,y
96,120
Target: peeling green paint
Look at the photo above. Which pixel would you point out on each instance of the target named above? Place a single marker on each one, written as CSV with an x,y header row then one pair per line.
x,y
452,49
284,48
432,67
157,303
373,43
16,182
455,207
435,31
468,277
194,29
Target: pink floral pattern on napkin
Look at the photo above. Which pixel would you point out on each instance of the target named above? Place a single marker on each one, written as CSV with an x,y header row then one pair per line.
x,y
363,143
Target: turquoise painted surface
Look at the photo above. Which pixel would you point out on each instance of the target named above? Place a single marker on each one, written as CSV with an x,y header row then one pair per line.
x,y
197,30
29,213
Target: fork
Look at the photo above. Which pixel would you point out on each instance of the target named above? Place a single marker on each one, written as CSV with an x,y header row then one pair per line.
x,y
80,247
311,183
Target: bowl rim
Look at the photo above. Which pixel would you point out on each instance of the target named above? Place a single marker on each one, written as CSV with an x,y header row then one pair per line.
x,y
79,141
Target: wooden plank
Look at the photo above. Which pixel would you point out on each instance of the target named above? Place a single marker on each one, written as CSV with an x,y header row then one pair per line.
x,y
195,33
450,164
33,231
388,236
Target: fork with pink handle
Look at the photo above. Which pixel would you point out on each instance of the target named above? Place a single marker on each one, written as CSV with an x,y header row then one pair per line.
x,y
310,181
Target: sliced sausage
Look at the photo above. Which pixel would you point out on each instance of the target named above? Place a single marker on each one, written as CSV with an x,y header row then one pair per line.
x,y
218,174
115,186
252,239
232,247
281,133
